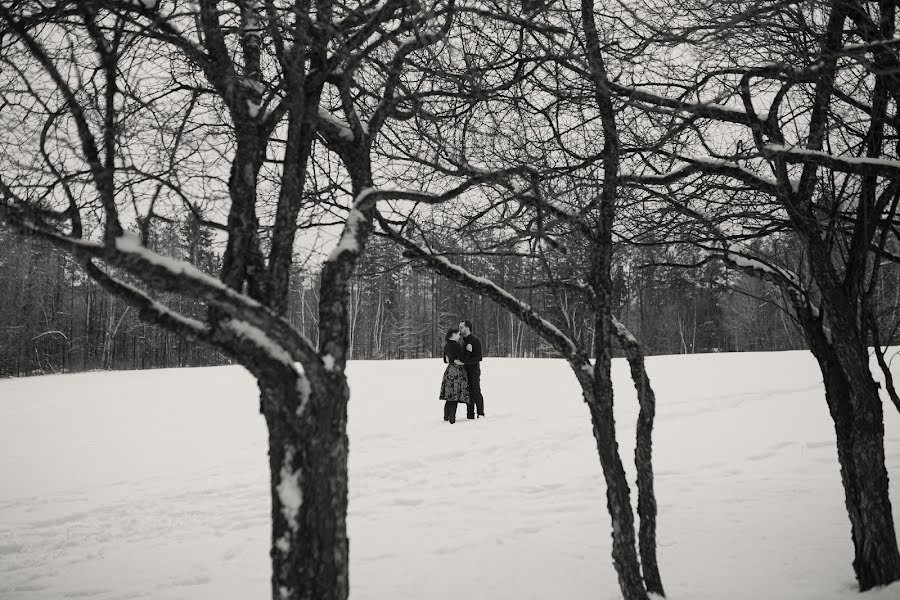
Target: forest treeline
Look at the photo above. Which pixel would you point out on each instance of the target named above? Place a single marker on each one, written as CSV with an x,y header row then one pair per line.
x,y
54,319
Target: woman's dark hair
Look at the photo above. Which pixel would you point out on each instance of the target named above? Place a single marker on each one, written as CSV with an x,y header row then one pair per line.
x,y
450,332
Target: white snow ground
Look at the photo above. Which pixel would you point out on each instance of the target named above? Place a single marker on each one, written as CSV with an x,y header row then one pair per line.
x,y
153,484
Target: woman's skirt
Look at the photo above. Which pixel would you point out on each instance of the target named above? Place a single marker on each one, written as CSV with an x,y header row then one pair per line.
x,y
455,386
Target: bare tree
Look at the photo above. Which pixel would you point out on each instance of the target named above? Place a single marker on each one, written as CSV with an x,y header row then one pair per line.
x,y
785,171
130,113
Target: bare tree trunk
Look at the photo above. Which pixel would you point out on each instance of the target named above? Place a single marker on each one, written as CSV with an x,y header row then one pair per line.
x,y
600,401
856,411
310,548
643,459
618,502
108,362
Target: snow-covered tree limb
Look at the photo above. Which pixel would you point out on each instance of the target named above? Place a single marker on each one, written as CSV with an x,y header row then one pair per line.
x,y
167,274
712,111
857,165
149,309
556,338
706,166
734,253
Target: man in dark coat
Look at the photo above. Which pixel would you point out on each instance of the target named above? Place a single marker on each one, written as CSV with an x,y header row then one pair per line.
x,y
472,360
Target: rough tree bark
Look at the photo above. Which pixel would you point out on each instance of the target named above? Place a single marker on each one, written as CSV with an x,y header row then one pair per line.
x,y
877,559
310,555
856,410
643,458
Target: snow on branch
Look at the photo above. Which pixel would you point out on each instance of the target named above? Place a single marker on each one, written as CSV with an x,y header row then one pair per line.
x,y
558,210
349,241
245,330
131,244
624,336
532,196
149,309
857,165
164,313
739,256
560,341
168,274
869,46
335,126
710,167
275,351
366,199
703,109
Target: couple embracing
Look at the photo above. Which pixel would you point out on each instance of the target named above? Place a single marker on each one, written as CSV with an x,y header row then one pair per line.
x,y
462,378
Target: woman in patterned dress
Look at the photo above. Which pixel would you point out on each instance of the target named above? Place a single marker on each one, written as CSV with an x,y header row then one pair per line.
x,y
455,385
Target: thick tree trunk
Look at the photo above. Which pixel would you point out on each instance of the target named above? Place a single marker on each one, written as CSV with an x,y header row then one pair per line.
x,y
856,410
308,464
877,559
860,446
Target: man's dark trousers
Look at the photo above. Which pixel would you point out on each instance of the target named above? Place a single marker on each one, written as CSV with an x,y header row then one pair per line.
x,y
477,403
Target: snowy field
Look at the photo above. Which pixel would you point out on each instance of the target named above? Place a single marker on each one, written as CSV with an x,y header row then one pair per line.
x,y
153,484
